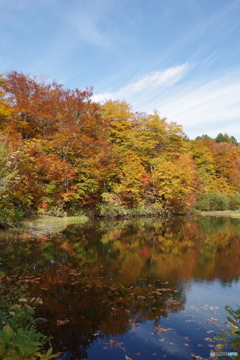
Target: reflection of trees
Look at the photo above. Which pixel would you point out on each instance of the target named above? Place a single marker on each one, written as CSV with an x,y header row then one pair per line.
x,y
92,305
105,277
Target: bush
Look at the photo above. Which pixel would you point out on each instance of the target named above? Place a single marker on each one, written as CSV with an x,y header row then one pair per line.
x,y
234,201
19,338
107,210
230,340
213,201
10,215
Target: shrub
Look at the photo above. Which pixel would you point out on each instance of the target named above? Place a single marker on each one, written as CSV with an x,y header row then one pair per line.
x,y
19,338
230,339
10,215
234,201
107,210
213,201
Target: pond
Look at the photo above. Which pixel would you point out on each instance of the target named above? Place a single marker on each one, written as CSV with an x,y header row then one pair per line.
x,y
147,289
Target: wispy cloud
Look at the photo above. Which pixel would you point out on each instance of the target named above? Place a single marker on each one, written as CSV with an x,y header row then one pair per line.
x,y
145,86
210,108
202,106
90,21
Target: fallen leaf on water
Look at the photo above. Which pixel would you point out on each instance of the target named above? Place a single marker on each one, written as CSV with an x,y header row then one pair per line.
x,y
159,329
209,339
62,322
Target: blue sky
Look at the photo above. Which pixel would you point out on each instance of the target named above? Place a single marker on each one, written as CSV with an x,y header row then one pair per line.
x,y
181,57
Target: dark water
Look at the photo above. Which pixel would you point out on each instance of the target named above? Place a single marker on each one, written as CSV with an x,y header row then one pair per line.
x,y
146,289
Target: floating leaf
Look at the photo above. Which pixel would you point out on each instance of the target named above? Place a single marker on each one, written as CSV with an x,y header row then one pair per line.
x,y
62,322
209,339
22,300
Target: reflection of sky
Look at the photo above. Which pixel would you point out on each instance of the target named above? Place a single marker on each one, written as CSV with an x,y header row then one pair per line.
x,y
168,342
205,300
213,293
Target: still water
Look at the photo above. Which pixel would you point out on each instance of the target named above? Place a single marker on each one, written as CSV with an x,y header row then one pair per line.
x,y
145,289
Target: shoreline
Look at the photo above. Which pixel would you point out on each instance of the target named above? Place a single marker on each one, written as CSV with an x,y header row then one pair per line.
x,y
220,213
41,224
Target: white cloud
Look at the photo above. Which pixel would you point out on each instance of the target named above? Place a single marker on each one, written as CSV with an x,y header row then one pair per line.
x,y
209,108
204,105
144,87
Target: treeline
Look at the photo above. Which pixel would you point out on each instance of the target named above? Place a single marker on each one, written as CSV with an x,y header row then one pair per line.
x,y
220,138
62,153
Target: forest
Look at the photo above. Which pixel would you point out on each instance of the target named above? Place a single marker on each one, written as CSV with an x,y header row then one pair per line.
x,y
63,154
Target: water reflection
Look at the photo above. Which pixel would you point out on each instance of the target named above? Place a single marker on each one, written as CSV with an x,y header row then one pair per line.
x,y
104,279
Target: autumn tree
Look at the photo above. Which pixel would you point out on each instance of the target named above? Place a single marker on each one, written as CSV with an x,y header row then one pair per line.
x,y
152,137
227,163
70,126
35,105
176,182
5,110
205,164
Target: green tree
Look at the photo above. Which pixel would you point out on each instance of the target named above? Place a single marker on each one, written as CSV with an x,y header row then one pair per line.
x,y
226,138
203,137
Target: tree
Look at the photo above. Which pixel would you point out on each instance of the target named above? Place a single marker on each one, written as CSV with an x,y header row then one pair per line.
x,y
204,160
203,137
226,138
119,116
67,127
176,181
131,185
35,105
5,110
227,163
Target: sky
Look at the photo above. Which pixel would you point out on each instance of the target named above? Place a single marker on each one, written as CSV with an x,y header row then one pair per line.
x,y
180,57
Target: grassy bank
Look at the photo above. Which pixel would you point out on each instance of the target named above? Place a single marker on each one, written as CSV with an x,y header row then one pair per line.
x,y
224,213
45,224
